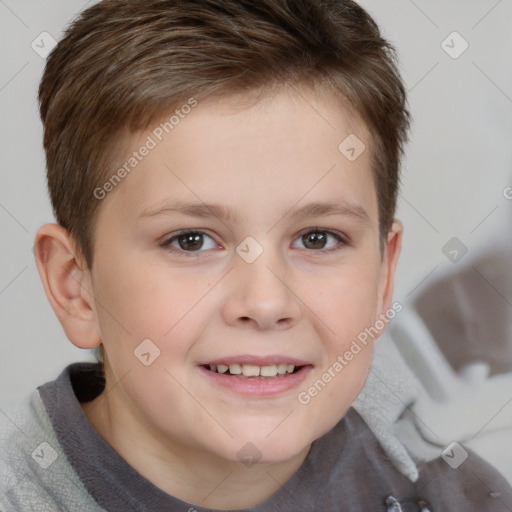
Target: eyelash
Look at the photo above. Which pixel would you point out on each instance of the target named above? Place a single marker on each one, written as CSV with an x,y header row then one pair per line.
x,y
181,252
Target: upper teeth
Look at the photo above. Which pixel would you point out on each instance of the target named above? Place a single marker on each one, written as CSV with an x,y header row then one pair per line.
x,y
251,370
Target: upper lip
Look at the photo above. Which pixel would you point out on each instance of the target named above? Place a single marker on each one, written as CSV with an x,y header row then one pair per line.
x,y
267,360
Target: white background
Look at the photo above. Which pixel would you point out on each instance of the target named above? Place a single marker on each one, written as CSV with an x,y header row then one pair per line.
x,y
457,167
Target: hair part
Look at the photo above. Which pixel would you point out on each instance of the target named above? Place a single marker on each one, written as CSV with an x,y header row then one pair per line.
x,y
123,64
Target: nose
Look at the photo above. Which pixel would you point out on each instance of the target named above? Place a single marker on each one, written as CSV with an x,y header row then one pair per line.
x,y
262,294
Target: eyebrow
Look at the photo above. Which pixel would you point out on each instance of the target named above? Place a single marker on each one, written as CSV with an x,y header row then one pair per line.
x,y
224,213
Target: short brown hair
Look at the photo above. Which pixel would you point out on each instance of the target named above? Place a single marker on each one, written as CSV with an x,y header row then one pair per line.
x,y
122,63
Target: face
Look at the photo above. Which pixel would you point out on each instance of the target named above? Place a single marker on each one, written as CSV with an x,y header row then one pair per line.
x,y
244,243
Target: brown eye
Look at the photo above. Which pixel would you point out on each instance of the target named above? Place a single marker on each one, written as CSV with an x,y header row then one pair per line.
x,y
314,240
189,242
319,240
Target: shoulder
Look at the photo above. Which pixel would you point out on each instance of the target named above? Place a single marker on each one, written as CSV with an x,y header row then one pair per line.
x,y
462,480
22,425
34,472
471,484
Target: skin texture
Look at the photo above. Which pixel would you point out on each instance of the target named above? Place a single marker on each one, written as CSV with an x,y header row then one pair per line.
x,y
169,420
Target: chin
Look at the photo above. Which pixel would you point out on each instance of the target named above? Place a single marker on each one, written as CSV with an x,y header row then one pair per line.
x,y
250,454
258,447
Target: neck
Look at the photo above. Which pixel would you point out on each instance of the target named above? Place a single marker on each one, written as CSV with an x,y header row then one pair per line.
x,y
187,473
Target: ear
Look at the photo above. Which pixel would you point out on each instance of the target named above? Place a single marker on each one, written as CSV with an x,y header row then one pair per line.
x,y
65,279
388,266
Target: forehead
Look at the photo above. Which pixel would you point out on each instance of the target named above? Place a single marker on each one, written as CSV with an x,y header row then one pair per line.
x,y
286,148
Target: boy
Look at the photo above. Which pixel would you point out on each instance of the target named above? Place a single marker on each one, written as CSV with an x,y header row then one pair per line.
x,y
224,176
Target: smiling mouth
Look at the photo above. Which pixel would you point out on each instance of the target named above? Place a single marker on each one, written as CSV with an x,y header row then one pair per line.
x,y
251,371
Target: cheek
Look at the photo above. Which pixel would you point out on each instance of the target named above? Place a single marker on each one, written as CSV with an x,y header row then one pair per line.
x,y
346,301
141,294
347,312
155,302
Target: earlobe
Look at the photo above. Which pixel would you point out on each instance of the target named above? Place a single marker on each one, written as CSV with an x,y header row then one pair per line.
x,y
63,276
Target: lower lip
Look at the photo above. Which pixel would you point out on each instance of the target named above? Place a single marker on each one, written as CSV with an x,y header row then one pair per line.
x,y
258,387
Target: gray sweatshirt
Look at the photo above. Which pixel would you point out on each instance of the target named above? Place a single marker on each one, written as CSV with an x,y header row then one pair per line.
x,y
52,459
